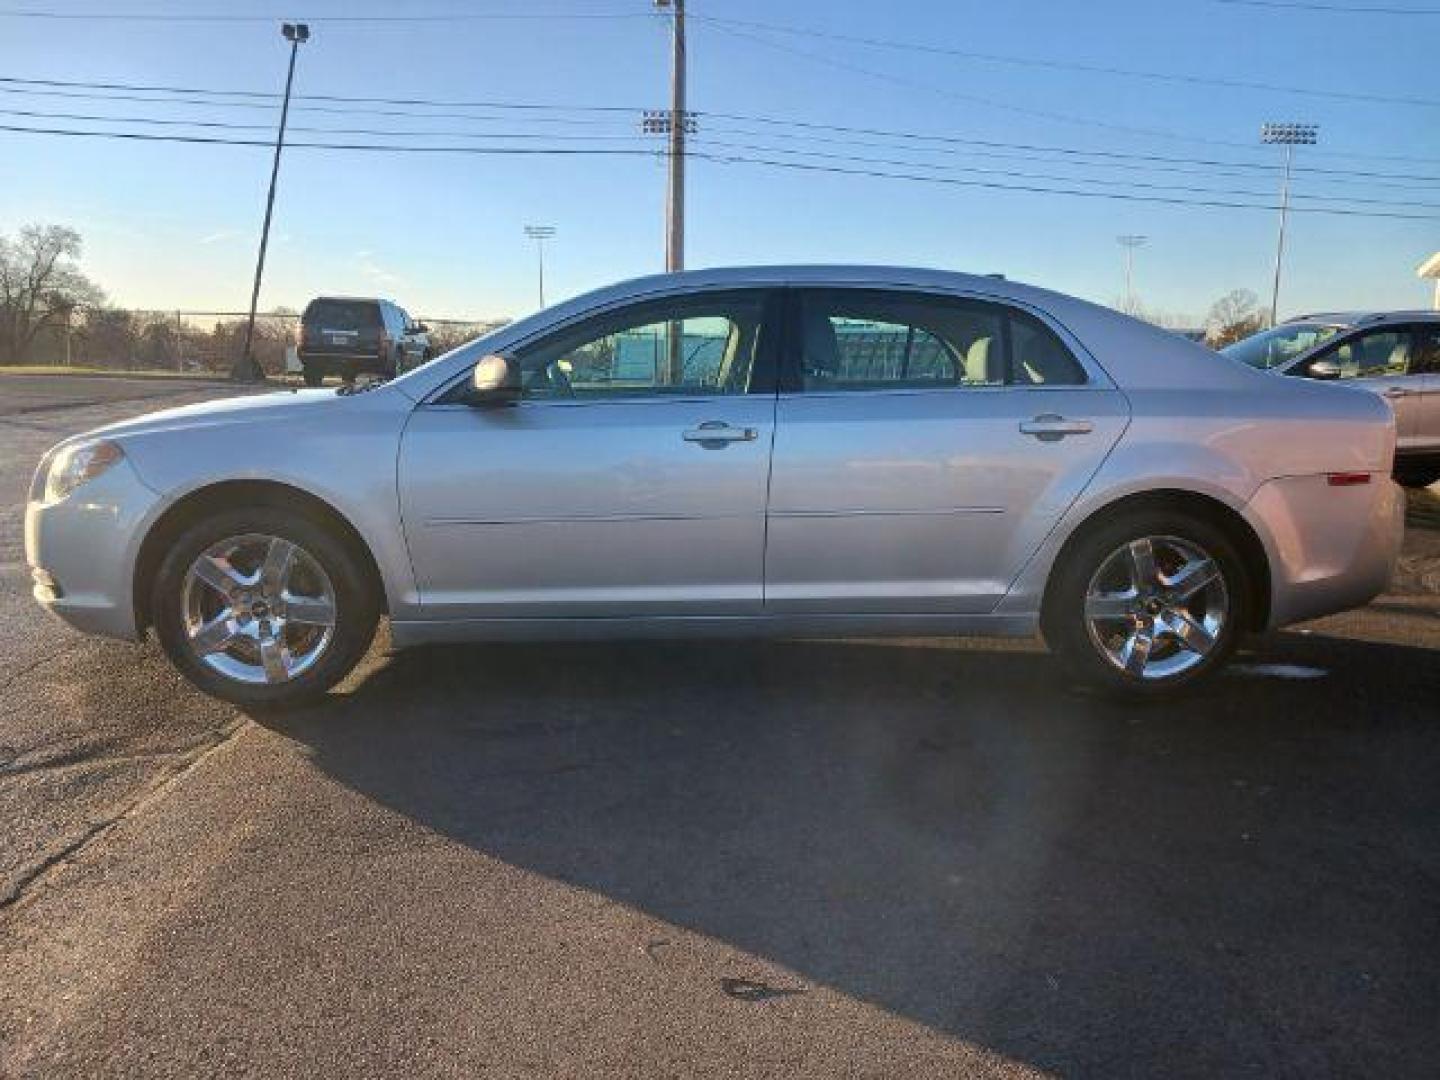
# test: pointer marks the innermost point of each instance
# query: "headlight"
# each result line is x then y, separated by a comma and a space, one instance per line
77, 464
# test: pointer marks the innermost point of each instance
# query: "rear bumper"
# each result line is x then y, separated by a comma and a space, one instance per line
341, 361
1330, 548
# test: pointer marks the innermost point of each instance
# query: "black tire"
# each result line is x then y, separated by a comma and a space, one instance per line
1416, 476
357, 604
313, 376
1064, 622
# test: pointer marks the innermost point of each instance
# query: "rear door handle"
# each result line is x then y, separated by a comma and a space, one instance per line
1049, 427
718, 433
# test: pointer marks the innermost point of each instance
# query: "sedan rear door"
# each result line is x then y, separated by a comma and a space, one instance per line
925, 445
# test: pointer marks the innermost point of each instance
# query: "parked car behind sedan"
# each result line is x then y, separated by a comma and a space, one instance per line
782, 450
1395, 354
351, 335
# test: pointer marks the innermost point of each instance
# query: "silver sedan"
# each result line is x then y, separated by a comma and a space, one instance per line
782, 450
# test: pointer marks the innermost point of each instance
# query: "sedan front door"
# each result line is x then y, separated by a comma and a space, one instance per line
924, 448
1426, 364
1380, 360
629, 479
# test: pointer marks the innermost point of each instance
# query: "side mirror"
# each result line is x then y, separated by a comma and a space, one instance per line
420, 328
495, 381
1324, 369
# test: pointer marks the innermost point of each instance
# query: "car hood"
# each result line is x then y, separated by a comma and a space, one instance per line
279, 407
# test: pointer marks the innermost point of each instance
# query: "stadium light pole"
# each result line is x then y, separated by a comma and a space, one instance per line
246, 368
1130, 241
540, 233
1288, 135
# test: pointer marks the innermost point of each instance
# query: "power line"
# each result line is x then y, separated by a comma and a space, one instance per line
529, 136
1332, 9
269, 96
1066, 65
225, 126
587, 121
1042, 113
1120, 196
974, 99
979, 170
444, 17
625, 114
721, 158
1244, 170
140, 136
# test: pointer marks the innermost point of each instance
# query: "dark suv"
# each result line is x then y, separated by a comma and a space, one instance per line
351, 335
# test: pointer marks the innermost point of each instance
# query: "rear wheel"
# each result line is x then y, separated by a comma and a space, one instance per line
1149, 603
262, 606
313, 376
1416, 476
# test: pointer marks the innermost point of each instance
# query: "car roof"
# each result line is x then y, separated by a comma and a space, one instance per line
350, 300
1367, 318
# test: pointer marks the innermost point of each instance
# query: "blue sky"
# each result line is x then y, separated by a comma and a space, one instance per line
169, 225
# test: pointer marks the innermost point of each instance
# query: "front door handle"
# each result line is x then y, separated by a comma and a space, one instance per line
1049, 427
718, 433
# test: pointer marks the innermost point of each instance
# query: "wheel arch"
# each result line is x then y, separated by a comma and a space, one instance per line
1239, 531
227, 494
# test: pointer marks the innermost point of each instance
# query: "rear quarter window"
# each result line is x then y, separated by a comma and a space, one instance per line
1038, 357
342, 315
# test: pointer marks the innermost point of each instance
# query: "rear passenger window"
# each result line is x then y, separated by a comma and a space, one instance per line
868, 340
1038, 357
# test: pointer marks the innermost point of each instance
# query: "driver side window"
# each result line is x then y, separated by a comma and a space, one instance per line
689, 346
1373, 355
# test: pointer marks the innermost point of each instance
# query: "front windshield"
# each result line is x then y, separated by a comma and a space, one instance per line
1280, 344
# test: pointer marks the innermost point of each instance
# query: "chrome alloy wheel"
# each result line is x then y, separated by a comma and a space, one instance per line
1156, 607
258, 609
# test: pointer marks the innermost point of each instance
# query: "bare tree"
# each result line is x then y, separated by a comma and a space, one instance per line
40, 285
1234, 316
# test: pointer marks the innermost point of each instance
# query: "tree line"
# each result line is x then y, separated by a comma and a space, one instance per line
51, 313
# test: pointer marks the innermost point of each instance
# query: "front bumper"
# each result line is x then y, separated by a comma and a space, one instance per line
1331, 548
82, 551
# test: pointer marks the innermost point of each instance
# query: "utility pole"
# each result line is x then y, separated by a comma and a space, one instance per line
675, 125
1130, 241
675, 196
1289, 136
540, 233
246, 369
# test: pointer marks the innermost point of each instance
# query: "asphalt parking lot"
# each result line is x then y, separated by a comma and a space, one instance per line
871, 858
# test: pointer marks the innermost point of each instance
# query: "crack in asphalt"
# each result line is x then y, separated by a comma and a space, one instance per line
28, 880
15, 676
83, 755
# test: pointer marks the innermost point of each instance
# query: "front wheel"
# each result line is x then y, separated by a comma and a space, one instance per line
313, 376
1148, 603
263, 606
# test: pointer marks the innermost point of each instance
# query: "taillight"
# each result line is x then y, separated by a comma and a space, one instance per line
1347, 479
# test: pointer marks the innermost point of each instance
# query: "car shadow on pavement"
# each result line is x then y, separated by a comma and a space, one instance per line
1240, 880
